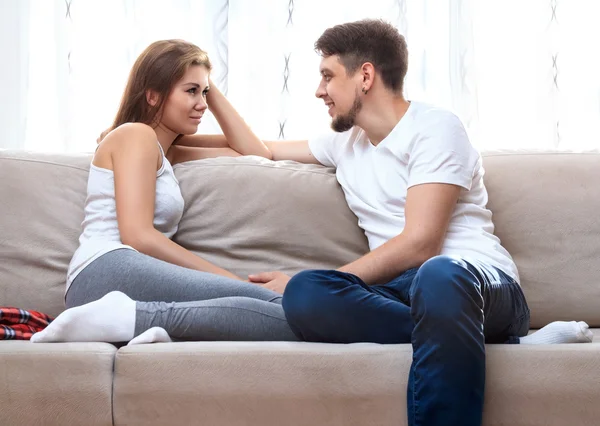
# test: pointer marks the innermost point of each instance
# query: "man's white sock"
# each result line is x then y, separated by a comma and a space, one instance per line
560, 332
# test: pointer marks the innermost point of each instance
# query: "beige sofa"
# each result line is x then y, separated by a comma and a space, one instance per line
248, 215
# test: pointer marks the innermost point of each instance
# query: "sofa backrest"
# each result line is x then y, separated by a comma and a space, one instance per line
250, 214
545, 208
42, 210
247, 215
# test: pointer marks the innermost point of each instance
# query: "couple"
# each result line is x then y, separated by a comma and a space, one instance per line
436, 276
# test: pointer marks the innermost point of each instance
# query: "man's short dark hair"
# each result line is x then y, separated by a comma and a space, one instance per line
368, 40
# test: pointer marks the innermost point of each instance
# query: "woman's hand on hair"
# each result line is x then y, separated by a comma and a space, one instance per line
103, 135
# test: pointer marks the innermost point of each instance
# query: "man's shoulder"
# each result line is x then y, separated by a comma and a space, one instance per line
426, 114
439, 129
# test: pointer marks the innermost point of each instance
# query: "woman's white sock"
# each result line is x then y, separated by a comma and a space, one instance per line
152, 335
109, 319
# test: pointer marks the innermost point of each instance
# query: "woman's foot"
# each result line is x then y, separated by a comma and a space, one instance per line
109, 319
152, 335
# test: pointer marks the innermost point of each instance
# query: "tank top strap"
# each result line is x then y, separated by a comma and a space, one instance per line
161, 148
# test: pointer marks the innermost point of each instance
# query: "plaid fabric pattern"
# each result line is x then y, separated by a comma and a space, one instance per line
18, 324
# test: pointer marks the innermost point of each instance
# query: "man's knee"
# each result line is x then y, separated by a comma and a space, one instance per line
445, 286
309, 294
441, 270
303, 292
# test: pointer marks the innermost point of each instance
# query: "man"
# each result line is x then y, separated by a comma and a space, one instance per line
436, 276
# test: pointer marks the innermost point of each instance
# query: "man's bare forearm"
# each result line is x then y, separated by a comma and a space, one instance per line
390, 260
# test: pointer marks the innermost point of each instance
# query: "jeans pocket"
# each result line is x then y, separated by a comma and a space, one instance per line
508, 315
520, 327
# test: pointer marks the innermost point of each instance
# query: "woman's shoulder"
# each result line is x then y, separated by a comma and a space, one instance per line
134, 130
129, 136
125, 140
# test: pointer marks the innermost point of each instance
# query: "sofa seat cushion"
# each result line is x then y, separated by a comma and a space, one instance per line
56, 383
284, 383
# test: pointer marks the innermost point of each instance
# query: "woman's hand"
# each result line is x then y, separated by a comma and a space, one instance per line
276, 281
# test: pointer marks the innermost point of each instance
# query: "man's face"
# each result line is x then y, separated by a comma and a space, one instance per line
340, 92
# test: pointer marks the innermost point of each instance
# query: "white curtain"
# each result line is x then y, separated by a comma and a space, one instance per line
520, 73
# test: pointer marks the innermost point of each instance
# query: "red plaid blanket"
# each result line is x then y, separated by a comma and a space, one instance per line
18, 324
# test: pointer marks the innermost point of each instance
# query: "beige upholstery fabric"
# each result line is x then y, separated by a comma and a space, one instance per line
549, 385
56, 384
42, 210
546, 214
253, 215
302, 384
267, 384
250, 214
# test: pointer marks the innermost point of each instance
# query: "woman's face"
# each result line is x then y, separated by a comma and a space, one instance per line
185, 106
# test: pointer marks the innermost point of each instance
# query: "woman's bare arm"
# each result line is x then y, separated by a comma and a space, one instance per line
237, 133
134, 156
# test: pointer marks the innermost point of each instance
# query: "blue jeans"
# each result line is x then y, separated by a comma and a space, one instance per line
447, 308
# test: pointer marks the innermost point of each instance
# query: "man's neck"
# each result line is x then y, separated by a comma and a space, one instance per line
380, 118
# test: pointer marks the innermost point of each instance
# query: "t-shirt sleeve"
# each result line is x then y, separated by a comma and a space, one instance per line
442, 153
328, 148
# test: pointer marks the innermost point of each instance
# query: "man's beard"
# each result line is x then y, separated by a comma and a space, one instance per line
341, 123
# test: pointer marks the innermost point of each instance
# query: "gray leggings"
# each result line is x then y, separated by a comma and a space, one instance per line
188, 304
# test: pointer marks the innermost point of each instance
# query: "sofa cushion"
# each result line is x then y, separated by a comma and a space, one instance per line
43, 197
302, 384
545, 208
251, 215
267, 384
56, 383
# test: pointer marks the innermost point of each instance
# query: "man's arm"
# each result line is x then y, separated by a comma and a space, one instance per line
279, 150
428, 211
291, 150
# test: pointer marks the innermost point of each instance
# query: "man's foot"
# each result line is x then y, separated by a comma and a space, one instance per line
109, 319
560, 332
152, 335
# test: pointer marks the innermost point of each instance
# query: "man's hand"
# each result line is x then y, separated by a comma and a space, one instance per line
275, 281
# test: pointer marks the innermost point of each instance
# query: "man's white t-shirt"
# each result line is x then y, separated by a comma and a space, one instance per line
428, 145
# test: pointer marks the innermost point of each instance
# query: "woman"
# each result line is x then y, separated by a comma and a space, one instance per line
126, 257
